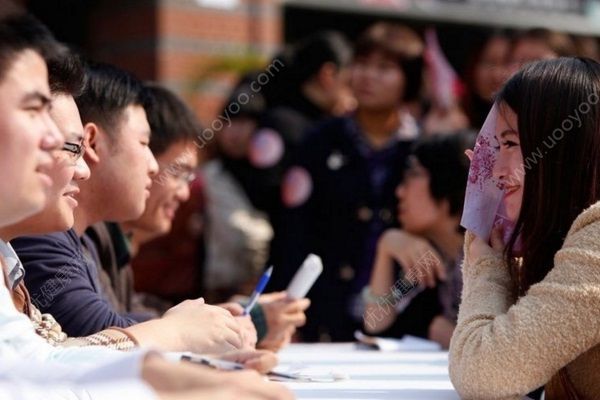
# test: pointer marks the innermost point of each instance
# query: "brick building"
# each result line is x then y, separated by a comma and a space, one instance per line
197, 47
176, 42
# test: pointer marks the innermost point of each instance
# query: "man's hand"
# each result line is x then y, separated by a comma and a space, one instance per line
283, 316
249, 336
262, 361
187, 381
204, 328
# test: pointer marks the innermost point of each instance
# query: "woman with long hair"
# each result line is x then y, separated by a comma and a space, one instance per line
485, 72
530, 311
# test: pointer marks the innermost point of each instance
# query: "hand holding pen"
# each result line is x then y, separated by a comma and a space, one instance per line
262, 284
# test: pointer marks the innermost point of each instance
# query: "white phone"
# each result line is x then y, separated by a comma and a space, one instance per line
305, 277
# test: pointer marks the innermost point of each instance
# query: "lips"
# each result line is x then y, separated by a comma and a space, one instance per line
70, 195
509, 190
170, 210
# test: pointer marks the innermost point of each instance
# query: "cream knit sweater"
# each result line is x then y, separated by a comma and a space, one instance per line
502, 349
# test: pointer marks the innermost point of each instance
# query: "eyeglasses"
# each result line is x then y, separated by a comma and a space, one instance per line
70, 153
186, 177
73, 151
181, 175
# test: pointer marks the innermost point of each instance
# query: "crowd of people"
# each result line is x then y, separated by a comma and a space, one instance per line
122, 239
313, 161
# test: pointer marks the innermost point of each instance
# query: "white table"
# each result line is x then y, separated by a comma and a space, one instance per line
373, 375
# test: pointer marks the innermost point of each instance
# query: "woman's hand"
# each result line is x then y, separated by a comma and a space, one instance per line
478, 248
419, 260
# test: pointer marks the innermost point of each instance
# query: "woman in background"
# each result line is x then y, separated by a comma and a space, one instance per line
484, 75
340, 195
427, 250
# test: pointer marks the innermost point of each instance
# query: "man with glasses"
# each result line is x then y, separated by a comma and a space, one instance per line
28, 136
66, 171
69, 168
31, 151
122, 167
174, 129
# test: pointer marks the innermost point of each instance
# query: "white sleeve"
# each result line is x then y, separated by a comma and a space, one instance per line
27, 360
18, 340
21, 390
128, 366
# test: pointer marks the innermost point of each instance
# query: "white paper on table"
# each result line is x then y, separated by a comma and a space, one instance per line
407, 343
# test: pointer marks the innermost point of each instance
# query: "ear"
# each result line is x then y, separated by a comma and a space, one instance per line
327, 75
91, 132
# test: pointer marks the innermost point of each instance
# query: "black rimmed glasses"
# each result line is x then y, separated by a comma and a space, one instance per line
182, 174
72, 152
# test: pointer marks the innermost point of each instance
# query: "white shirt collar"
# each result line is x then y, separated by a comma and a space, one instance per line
15, 271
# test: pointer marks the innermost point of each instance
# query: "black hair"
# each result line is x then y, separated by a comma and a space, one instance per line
300, 62
312, 52
443, 156
108, 91
401, 44
566, 179
66, 73
20, 32
244, 100
171, 120
476, 107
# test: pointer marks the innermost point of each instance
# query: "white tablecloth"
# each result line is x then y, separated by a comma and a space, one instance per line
372, 375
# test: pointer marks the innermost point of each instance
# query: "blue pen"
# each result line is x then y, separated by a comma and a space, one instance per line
262, 283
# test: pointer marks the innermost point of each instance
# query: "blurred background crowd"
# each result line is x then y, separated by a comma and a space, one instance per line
327, 126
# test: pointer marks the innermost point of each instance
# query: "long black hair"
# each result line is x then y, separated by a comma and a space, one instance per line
557, 105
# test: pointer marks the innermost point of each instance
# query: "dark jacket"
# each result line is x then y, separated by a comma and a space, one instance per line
62, 277
351, 203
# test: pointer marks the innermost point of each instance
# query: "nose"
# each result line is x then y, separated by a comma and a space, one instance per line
52, 139
501, 76
500, 169
400, 190
183, 193
152, 165
82, 171
363, 72
498, 77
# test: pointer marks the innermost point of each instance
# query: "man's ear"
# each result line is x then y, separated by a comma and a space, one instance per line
91, 133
